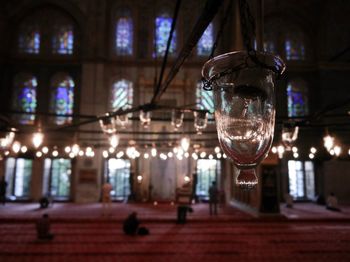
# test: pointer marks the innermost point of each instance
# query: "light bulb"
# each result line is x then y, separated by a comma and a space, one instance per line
105, 153
210, 156
294, 149
337, 150
45, 150
6, 141
55, 153
311, 155
145, 118
107, 124
67, 149
187, 179
24, 149
185, 143
217, 150
295, 155
200, 120
328, 142
203, 154
120, 154
274, 150
145, 155
177, 118
39, 154
154, 152
38, 139
313, 150
139, 178
75, 149
194, 156
218, 155
170, 154
16, 146
114, 140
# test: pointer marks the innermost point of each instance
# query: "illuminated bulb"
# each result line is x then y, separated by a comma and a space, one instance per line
328, 142
111, 150
211, 156
163, 156
120, 154
194, 156
280, 151
7, 153
81, 153
313, 150
154, 152
218, 155
38, 154
224, 156
295, 155
187, 179
186, 155
274, 150
185, 143
294, 149
175, 149
24, 149
38, 139
180, 151
349, 152
75, 149
67, 149
155, 203
170, 154
105, 153
331, 152
337, 150
92, 154
16, 146
203, 154
45, 150
217, 150
311, 156
71, 155
114, 140
145, 155
139, 178
179, 157
55, 153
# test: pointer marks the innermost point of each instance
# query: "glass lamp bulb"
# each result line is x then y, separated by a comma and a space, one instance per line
145, 118
123, 120
107, 124
177, 118
328, 142
38, 139
200, 120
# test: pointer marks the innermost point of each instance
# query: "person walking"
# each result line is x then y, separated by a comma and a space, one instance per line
213, 199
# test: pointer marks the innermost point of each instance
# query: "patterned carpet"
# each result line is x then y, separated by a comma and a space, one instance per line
82, 234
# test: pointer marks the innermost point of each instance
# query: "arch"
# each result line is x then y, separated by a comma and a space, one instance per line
62, 97
25, 97
297, 98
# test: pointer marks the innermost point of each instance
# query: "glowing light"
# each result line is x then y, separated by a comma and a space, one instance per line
67, 149
210, 156
311, 156
75, 149
7, 153
328, 142
203, 154
163, 156
139, 178
337, 150
24, 149
55, 153
145, 155
154, 152
39, 154
45, 150
295, 155
186, 155
294, 149
81, 153
170, 154
187, 179
274, 150
313, 150
185, 143
71, 155
224, 156
331, 152
114, 140
194, 156
217, 150
175, 149
120, 154
218, 155
105, 153
16, 146
38, 139
111, 150
155, 203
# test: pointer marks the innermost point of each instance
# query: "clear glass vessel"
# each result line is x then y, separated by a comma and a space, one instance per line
244, 100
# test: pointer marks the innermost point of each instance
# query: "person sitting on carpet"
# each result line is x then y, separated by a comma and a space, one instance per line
131, 226
289, 200
332, 203
43, 228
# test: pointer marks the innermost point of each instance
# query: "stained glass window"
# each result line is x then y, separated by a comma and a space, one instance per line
163, 27
122, 94
294, 47
124, 36
63, 40
206, 42
205, 99
297, 99
29, 40
24, 98
269, 46
62, 99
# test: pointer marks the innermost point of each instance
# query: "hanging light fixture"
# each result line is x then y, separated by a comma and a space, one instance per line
145, 118
16, 147
200, 120
289, 135
328, 142
7, 140
114, 140
75, 150
38, 139
177, 117
185, 143
123, 120
107, 124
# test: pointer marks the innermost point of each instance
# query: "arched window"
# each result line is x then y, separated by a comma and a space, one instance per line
206, 42
124, 34
205, 99
29, 39
163, 27
297, 99
62, 98
122, 95
24, 99
294, 46
63, 39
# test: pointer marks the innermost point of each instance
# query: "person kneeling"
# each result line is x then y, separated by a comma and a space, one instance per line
131, 226
43, 228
